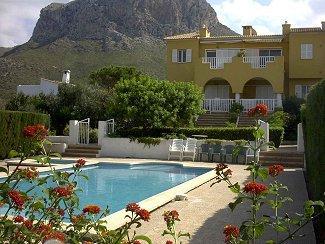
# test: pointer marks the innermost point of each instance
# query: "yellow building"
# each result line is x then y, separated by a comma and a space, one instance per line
248, 68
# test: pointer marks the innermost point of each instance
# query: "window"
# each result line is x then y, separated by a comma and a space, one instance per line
182, 56
302, 90
306, 51
270, 52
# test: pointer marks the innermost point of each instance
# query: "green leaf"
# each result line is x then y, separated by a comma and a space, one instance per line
263, 173
13, 154
58, 155
235, 188
143, 238
270, 242
233, 205
3, 169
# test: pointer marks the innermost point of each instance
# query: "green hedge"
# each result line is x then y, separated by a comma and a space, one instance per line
222, 133
11, 126
313, 116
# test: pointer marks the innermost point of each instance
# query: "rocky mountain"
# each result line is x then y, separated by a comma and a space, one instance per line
84, 35
3, 50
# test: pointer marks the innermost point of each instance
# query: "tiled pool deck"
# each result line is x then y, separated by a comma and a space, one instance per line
205, 213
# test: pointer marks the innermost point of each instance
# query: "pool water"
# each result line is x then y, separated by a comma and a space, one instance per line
116, 185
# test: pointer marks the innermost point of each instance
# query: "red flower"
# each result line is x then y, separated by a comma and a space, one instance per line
17, 198
258, 110
55, 235
80, 162
63, 191
221, 167
136, 242
19, 219
169, 242
132, 207
230, 231
44, 229
58, 211
171, 216
29, 173
38, 132
275, 170
144, 214
228, 172
91, 209
28, 224
254, 188
77, 218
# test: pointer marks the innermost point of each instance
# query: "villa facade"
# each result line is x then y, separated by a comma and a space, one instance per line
248, 68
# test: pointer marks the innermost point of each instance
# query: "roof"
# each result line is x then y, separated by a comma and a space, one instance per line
191, 35
308, 29
238, 38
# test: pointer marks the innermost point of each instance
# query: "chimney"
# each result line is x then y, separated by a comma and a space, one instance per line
66, 76
248, 30
204, 32
286, 28
323, 25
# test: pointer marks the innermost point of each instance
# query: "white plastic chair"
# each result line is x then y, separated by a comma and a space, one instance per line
189, 150
176, 149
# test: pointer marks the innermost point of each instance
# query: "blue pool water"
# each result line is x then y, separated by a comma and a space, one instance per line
115, 185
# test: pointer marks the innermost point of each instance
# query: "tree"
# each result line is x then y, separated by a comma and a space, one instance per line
108, 76
150, 103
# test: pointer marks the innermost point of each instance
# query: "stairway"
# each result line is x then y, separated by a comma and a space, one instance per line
286, 155
82, 151
220, 119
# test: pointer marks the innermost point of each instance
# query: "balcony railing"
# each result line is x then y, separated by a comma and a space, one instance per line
257, 62
216, 63
224, 105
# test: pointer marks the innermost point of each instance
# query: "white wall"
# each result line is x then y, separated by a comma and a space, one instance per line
49, 87
29, 90
123, 148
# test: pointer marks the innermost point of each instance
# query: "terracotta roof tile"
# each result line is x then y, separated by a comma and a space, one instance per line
183, 36
309, 29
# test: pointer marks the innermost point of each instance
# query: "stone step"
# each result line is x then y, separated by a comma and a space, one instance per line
80, 155
88, 146
281, 159
286, 165
281, 154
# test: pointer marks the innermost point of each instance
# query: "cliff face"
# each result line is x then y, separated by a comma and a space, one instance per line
104, 19
84, 35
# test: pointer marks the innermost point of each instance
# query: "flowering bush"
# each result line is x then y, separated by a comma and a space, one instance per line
55, 214
258, 194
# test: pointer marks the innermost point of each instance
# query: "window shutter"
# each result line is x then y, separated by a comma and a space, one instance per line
174, 56
298, 89
309, 51
188, 55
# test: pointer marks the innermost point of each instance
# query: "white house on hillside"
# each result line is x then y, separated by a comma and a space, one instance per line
46, 87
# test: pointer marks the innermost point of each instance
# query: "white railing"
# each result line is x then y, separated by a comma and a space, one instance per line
258, 62
216, 63
83, 135
110, 129
224, 105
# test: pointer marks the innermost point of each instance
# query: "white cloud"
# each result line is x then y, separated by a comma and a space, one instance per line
267, 18
18, 18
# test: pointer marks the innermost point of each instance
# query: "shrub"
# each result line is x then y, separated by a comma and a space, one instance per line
11, 124
291, 106
314, 130
235, 110
278, 119
108, 76
151, 103
221, 133
93, 135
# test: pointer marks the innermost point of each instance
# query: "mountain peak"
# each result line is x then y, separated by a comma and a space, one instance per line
99, 19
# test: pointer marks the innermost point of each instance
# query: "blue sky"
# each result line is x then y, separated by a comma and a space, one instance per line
18, 17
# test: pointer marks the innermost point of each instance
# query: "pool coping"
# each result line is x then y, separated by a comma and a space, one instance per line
117, 219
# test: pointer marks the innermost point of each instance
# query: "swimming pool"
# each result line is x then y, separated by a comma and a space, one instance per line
115, 185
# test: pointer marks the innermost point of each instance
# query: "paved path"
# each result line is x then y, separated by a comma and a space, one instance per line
206, 213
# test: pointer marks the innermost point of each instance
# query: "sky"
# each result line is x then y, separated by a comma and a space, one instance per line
18, 17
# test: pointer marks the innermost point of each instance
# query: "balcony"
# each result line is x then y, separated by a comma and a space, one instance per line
256, 62
224, 105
